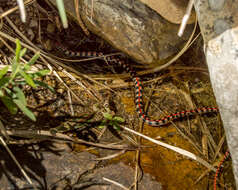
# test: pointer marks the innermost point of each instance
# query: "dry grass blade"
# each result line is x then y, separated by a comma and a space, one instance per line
70, 103
185, 18
66, 86
22, 10
115, 183
175, 149
3, 131
222, 140
111, 156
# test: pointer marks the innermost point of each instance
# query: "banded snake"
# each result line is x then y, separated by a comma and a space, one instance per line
138, 88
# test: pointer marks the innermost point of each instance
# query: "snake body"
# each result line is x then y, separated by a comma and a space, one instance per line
138, 89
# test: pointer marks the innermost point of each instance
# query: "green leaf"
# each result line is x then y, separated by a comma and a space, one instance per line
22, 52
42, 72
39, 83
27, 78
32, 61
18, 49
116, 126
101, 126
3, 71
118, 119
25, 110
1, 93
107, 116
4, 81
11, 106
20, 95
34, 58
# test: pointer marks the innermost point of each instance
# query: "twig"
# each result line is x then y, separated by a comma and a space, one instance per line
47, 135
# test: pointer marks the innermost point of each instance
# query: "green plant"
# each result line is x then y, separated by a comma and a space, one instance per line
11, 85
111, 120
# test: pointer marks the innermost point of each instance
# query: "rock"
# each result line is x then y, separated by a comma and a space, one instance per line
171, 10
121, 174
135, 29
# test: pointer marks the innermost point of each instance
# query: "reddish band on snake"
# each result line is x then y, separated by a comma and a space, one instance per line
226, 155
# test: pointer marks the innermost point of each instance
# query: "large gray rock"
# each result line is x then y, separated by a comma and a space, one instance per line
135, 29
52, 167
218, 21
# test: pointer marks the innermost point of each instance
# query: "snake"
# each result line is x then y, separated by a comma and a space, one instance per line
138, 88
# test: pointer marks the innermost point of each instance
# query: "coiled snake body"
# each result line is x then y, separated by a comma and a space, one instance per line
138, 89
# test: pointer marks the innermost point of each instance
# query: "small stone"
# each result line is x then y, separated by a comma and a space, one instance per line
47, 45
60, 91
30, 34
33, 23
50, 28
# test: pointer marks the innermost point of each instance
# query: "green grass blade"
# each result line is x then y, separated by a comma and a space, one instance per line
22, 52
61, 9
18, 49
25, 110
31, 62
34, 58
4, 81
3, 71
